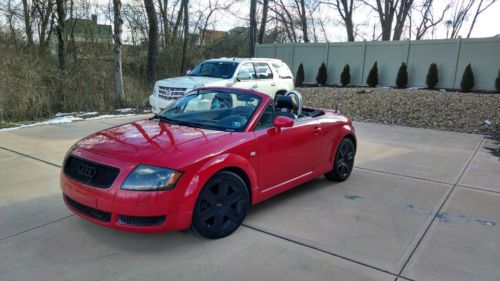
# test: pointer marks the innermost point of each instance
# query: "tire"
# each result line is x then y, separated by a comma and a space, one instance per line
221, 206
343, 162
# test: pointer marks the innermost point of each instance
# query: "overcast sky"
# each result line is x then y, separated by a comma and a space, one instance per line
488, 24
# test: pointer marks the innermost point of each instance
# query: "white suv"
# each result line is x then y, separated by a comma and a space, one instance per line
268, 76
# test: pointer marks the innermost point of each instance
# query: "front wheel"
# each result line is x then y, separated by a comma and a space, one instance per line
221, 206
343, 162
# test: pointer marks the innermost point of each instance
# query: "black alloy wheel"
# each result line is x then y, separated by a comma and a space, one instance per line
221, 205
344, 161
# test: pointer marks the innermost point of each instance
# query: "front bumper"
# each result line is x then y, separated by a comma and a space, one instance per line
136, 211
158, 104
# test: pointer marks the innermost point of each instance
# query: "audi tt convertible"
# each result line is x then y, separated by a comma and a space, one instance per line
204, 160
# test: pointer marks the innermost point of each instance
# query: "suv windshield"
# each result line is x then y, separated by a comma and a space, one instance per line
217, 69
223, 110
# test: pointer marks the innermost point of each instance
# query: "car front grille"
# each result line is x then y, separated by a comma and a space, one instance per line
141, 221
90, 173
88, 211
170, 93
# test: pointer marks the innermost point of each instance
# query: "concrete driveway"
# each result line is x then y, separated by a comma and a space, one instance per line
420, 205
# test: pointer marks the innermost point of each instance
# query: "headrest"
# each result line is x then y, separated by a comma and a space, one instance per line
286, 102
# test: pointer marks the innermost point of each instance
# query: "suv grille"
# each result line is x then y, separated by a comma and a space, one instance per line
169, 93
90, 173
88, 211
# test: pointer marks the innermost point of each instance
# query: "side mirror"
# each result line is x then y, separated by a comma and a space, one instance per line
282, 122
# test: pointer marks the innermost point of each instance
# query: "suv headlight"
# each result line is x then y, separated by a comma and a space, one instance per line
151, 178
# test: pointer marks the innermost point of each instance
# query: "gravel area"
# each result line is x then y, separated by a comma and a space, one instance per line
474, 113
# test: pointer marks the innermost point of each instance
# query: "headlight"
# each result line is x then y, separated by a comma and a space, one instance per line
151, 178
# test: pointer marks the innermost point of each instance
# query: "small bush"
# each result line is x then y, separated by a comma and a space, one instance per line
497, 82
467, 79
402, 78
432, 77
299, 78
322, 75
372, 80
345, 76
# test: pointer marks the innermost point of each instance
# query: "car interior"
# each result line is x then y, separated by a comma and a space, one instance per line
222, 110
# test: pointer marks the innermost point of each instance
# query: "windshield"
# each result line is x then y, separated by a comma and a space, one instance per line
224, 110
217, 69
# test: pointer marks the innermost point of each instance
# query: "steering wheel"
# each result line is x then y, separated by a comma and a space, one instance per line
298, 98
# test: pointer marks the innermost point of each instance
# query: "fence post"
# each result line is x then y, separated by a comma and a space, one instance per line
456, 64
408, 52
275, 51
363, 67
327, 54
293, 58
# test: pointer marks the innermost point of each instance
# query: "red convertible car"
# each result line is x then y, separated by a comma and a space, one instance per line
204, 160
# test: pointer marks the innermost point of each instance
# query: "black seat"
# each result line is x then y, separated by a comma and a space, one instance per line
286, 106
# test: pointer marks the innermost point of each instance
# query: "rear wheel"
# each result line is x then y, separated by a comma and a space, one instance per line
221, 205
343, 162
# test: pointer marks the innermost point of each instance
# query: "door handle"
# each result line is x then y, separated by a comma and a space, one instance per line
317, 130
273, 84
255, 86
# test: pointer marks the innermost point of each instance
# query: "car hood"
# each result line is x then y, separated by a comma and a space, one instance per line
190, 82
158, 143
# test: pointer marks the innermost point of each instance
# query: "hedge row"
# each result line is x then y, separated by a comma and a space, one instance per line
432, 78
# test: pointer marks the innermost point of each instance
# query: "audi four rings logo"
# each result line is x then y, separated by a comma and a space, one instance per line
86, 171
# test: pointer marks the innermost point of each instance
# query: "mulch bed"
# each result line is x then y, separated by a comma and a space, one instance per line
475, 113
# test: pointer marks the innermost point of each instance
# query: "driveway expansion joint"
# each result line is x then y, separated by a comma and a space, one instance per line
443, 203
318, 249
35, 227
29, 156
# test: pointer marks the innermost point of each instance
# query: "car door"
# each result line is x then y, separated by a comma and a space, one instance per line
286, 154
265, 79
246, 78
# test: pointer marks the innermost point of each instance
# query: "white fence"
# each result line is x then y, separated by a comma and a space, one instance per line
451, 56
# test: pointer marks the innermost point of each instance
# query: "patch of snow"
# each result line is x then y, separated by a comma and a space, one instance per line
82, 114
61, 118
124, 110
56, 120
415, 88
60, 114
108, 116
488, 122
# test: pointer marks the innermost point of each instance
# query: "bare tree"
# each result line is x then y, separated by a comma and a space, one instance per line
46, 17
480, 9
427, 19
460, 15
284, 15
387, 11
61, 37
152, 39
345, 9
253, 27
27, 23
263, 21
177, 22
165, 22
186, 35
300, 5
117, 50
401, 16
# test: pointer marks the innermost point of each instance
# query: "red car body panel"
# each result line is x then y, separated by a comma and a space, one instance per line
270, 160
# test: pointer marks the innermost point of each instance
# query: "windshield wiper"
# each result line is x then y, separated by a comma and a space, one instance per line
189, 124
164, 118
